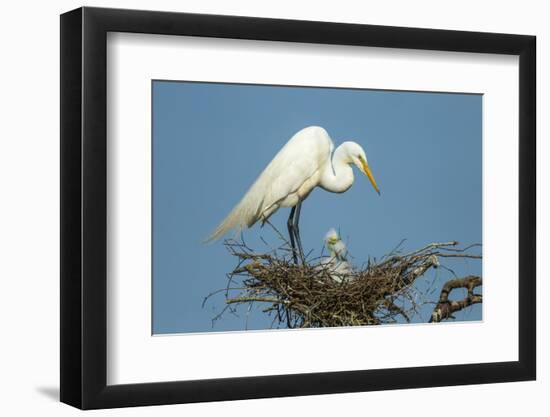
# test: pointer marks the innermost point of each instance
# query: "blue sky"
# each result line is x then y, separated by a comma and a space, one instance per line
211, 140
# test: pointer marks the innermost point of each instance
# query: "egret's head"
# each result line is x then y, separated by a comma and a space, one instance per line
357, 156
332, 237
334, 244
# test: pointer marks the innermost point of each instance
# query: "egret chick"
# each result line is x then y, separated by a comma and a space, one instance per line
336, 247
336, 263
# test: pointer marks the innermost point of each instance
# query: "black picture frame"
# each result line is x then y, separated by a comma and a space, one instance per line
84, 207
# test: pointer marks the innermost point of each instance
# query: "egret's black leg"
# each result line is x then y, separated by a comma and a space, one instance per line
290, 225
296, 227
288, 322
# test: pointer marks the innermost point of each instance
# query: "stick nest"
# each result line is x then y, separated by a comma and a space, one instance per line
313, 294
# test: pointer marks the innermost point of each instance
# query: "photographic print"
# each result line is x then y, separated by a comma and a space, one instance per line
239, 182
292, 207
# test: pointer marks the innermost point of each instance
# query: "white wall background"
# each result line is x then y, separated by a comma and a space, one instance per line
29, 209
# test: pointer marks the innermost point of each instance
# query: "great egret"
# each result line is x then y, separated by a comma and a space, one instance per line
336, 247
301, 165
336, 264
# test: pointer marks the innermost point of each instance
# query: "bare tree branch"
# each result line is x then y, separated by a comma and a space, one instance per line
445, 307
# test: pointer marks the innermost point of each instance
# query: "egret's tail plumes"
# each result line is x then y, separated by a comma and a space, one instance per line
231, 222
243, 215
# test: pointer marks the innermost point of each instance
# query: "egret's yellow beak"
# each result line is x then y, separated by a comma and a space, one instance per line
368, 173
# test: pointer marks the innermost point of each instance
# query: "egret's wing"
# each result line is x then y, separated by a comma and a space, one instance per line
295, 163
288, 172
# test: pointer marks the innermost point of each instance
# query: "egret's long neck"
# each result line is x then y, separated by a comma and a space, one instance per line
338, 175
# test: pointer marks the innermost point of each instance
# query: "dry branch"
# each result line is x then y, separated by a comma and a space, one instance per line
445, 307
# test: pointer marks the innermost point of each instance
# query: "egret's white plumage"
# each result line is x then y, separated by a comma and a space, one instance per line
336, 264
336, 247
301, 165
